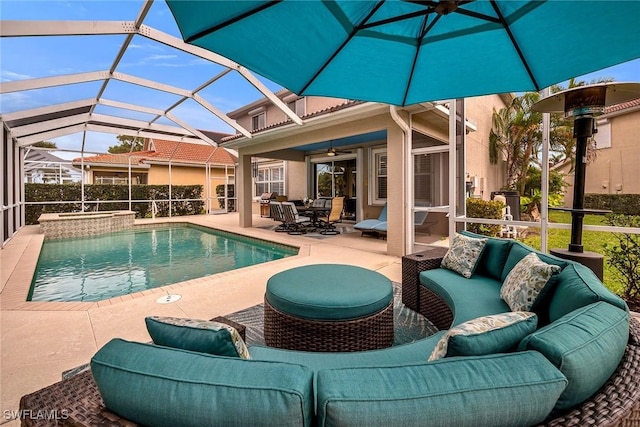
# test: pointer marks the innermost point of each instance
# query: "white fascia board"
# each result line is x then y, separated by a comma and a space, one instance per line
150, 84
16, 115
47, 125
132, 107
63, 28
200, 100
45, 136
470, 124
138, 124
109, 165
39, 83
322, 121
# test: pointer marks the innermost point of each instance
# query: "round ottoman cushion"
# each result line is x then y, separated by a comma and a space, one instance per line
329, 292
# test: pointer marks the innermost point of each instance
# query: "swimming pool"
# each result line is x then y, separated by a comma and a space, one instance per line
102, 267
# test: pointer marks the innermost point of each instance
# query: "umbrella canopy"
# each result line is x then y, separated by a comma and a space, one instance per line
405, 52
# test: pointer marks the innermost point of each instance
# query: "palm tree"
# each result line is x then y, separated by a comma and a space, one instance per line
516, 135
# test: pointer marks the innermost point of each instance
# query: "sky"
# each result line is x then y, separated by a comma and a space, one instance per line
33, 57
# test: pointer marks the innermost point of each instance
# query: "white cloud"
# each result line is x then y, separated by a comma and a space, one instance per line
7, 76
158, 57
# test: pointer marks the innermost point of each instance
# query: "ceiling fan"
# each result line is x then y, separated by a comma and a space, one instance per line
333, 152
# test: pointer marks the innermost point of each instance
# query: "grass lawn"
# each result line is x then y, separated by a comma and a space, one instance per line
591, 240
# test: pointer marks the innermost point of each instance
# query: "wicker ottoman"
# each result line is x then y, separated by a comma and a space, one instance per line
328, 307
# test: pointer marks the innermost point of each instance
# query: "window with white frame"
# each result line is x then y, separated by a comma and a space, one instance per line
297, 106
603, 136
258, 121
378, 178
270, 179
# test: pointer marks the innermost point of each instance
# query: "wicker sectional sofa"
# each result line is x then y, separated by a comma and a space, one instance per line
580, 367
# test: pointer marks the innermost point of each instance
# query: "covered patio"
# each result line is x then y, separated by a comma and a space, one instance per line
41, 340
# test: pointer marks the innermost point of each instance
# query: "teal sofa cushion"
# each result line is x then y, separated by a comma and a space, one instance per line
162, 386
467, 298
497, 333
586, 345
404, 354
577, 287
516, 389
519, 251
493, 256
307, 292
203, 336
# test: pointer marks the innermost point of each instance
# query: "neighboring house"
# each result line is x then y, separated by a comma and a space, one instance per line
370, 153
166, 162
42, 167
614, 169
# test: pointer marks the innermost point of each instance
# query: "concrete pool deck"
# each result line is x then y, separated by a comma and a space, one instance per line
40, 340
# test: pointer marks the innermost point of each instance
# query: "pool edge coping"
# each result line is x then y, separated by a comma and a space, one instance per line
13, 296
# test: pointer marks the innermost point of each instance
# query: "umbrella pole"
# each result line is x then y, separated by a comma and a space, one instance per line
583, 129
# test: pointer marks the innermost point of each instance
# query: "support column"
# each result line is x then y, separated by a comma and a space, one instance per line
243, 189
396, 203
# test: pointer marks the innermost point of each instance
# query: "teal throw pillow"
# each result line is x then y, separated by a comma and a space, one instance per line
203, 336
527, 282
497, 333
463, 255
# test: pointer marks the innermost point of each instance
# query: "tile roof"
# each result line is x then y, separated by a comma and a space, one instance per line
163, 151
347, 104
622, 106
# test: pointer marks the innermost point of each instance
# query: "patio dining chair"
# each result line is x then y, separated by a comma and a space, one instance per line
275, 209
335, 215
295, 223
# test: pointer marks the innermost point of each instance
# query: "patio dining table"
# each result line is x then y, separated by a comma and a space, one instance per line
314, 212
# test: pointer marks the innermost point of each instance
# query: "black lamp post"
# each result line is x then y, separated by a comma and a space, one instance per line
584, 103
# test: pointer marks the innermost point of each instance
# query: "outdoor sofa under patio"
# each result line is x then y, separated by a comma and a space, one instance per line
578, 366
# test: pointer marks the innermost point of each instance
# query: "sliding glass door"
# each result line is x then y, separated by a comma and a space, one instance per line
337, 178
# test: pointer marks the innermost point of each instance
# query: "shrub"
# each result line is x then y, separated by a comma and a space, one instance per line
625, 204
625, 257
103, 196
478, 208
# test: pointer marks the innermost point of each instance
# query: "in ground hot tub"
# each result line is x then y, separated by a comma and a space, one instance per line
82, 224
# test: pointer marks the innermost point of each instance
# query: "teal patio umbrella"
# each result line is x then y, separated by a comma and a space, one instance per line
406, 52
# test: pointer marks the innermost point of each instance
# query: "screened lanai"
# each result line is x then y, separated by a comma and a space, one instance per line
125, 71
80, 78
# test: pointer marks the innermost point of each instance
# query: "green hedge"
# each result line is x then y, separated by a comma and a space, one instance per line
478, 208
622, 204
103, 193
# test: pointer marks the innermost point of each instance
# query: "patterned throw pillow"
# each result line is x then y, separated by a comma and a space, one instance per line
463, 255
497, 333
529, 279
203, 336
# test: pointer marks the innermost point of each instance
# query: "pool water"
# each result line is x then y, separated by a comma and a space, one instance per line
105, 266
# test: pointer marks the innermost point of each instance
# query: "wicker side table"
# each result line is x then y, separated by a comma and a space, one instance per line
412, 265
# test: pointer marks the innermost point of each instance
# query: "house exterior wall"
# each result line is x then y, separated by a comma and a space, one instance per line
489, 177
615, 169
273, 114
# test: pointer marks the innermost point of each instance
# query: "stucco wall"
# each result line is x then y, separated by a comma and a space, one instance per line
275, 115
489, 177
616, 170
